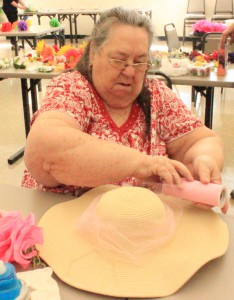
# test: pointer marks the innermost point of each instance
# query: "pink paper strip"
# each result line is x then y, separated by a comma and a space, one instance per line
196, 191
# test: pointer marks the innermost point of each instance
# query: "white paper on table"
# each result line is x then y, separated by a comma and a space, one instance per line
41, 284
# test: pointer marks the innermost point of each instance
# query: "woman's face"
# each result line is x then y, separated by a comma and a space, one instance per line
120, 87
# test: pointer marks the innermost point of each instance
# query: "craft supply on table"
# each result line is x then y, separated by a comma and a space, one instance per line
222, 62
11, 287
198, 192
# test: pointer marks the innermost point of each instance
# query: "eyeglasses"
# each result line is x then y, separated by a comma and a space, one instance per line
122, 64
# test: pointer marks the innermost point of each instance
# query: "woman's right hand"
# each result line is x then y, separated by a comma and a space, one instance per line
162, 169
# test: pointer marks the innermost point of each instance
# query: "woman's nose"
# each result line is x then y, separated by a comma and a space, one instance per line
129, 70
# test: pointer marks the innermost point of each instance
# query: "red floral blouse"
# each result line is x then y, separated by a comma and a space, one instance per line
72, 94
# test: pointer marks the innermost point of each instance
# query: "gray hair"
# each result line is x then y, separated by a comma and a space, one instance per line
108, 18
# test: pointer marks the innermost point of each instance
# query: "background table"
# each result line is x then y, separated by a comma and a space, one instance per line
209, 82
34, 33
72, 16
214, 281
61, 14
29, 81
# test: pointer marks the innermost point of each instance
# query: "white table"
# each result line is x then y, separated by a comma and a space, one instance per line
34, 33
214, 281
72, 16
62, 14
29, 81
209, 82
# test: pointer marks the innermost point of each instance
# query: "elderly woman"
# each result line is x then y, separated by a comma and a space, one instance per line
106, 122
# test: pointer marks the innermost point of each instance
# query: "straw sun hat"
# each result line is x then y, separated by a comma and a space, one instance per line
126, 242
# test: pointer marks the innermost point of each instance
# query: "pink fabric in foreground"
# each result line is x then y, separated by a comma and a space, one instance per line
196, 191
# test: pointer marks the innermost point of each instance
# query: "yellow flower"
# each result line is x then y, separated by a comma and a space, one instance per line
29, 22
64, 49
39, 47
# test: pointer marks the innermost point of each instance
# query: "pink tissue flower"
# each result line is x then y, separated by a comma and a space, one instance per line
207, 26
18, 238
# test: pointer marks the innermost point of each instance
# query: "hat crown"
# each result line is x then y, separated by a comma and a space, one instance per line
129, 221
131, 210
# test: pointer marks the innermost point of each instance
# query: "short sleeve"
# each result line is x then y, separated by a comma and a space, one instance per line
170, 117
69, 93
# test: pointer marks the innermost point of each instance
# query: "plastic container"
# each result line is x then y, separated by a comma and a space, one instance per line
202, 71
11, 288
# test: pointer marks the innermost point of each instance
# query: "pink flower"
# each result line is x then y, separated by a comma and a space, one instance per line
18, 238
207, 26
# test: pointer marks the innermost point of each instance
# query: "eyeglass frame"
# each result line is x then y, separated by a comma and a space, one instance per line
125, 64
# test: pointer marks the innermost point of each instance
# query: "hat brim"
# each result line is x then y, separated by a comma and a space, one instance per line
200, 236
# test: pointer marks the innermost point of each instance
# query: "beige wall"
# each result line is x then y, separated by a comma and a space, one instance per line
164, 11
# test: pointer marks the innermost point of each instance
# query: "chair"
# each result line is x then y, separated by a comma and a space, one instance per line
172, 38
223, 10
195, 12
162, 76
210, 42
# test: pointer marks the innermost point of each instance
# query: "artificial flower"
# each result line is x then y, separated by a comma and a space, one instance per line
31, 8
6, 26
47, 53
19, 63
207, 26
60, 59
29, 22
73, 56
5, 63
39, 47
15, 25
56, 48
54, 22
18, 238
63, 49
22, 25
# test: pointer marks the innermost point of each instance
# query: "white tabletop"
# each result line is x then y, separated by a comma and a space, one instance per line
214, 281
34, 31
24, 73
71, 11
211, 81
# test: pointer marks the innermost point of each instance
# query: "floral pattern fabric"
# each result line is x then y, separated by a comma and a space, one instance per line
72, 94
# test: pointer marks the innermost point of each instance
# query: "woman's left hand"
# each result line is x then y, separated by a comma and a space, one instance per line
205, 169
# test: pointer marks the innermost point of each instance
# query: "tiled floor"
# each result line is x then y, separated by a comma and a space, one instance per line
12, 135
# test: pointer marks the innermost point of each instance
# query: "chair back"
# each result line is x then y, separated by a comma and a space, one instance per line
196, 6
210, 41
223, 6
173, 42
164, 77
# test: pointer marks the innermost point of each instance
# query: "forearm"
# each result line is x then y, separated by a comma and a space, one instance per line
75, 158
19, 5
